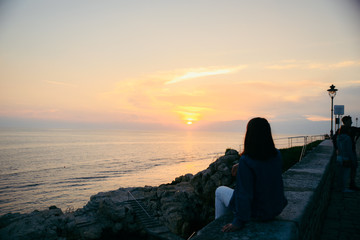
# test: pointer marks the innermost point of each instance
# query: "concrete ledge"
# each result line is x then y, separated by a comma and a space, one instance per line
307, 188
253, 230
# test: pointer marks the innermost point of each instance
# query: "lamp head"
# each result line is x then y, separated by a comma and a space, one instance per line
332, 91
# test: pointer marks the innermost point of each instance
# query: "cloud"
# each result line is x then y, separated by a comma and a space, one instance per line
285, 66
155, 97
194, 108
345, 64
315, 118
312, 65
203, 72
60, 83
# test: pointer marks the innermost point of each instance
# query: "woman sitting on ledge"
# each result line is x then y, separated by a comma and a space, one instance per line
259, 192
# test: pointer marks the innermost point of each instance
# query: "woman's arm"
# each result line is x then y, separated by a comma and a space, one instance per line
243, 195
234, 169
231, 228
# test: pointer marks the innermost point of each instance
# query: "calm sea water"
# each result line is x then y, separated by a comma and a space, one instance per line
40, 168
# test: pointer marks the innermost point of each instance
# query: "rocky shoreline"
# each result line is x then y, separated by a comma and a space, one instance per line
180, 208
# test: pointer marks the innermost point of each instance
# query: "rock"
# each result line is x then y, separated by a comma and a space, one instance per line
112, 211
92, 233
184, 178
36, 225
230, 151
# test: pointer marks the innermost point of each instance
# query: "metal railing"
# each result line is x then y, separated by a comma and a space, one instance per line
288, 142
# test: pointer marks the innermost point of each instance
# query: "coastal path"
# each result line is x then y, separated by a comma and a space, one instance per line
342, 219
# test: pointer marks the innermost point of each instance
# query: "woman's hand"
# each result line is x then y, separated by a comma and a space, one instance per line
234, 169
230, 228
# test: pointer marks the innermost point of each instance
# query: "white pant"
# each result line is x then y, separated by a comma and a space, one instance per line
223, 195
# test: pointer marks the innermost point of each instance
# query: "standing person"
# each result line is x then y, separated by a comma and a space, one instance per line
354, 133
259, 192
344, 157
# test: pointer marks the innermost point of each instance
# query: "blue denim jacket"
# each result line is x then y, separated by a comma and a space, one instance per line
259, 191
345, 150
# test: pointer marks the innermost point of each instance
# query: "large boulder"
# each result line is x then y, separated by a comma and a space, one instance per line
187, 204
47, 224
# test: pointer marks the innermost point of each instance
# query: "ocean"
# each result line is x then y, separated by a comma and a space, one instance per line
64, 167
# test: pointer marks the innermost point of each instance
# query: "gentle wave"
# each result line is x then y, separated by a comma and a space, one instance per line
65, 167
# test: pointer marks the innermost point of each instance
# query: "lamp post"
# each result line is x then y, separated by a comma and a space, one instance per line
332, 93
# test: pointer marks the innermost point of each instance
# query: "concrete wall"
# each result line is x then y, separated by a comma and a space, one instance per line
307, 188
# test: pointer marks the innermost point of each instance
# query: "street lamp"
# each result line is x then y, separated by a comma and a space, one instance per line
332, 93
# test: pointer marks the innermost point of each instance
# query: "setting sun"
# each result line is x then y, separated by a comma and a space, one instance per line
157, 76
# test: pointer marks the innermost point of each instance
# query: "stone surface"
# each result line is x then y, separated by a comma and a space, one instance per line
342, 219
253, 230
306, 188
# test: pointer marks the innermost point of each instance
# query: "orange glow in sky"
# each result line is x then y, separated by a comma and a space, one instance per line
66, 61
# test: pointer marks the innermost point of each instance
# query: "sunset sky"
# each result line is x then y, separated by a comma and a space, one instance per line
178, 64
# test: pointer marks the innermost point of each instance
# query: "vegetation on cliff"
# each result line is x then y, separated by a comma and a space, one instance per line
292, 155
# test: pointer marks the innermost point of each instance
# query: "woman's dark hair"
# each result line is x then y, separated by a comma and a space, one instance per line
346, 118
259, 143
